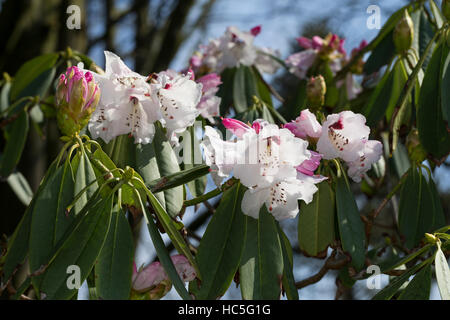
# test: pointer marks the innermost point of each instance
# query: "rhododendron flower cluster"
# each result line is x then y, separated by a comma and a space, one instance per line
233, 49
275, 166
343, 135
131, 103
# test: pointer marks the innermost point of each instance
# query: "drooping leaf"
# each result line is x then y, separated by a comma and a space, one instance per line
222, 244
16, 134
415, 217
288, 266
316, 222
192, 156
34, 76
21, 188
419, 287
244, 88
381, 54
433, 132
81, 248
114, 268
351, 228
391, 289
226, 90
261, 268
85, 176
442, 274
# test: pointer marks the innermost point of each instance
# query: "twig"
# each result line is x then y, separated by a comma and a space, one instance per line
330, 264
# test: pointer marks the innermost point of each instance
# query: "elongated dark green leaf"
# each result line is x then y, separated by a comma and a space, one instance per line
222, 244
261, 269
85, 175
192, 157
433, 132
388, 292
438, 211
423, 33
416, 214
288, 266
244, 88
114, 268
295, 103
34, 76
442, 274
16, 134
381, 55
21, 188
226, 90
49, 218
165, 259
158, 160
419, 287
178, 179
81, 248
445, 92
351, 228
316, 222
170, 227
401, 160
18, 243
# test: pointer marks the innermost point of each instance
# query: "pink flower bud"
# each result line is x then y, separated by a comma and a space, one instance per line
77, 95
209, 81
237, 127
305, 42
255, 30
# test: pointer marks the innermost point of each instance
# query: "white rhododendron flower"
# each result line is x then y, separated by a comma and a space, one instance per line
178, 96
131, 103
305, 126
234, 48
342, 136
268, 161
128, 104
346, 136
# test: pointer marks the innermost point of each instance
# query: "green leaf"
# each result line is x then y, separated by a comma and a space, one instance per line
49, 218
415, 217
114, 268
81, 248
288, 266
401, 160
16, 134
178, 178
85, 175
351, 228
244, 88
437, 14
18, 243
445, 93
381, 54
226, 90
316, 222
388, 292
295, 103
222, 244
261, 268
155, 160
419, 287
423, 33
21, 188
438, 211
442, 274
164, 257
432, 129
192, 157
